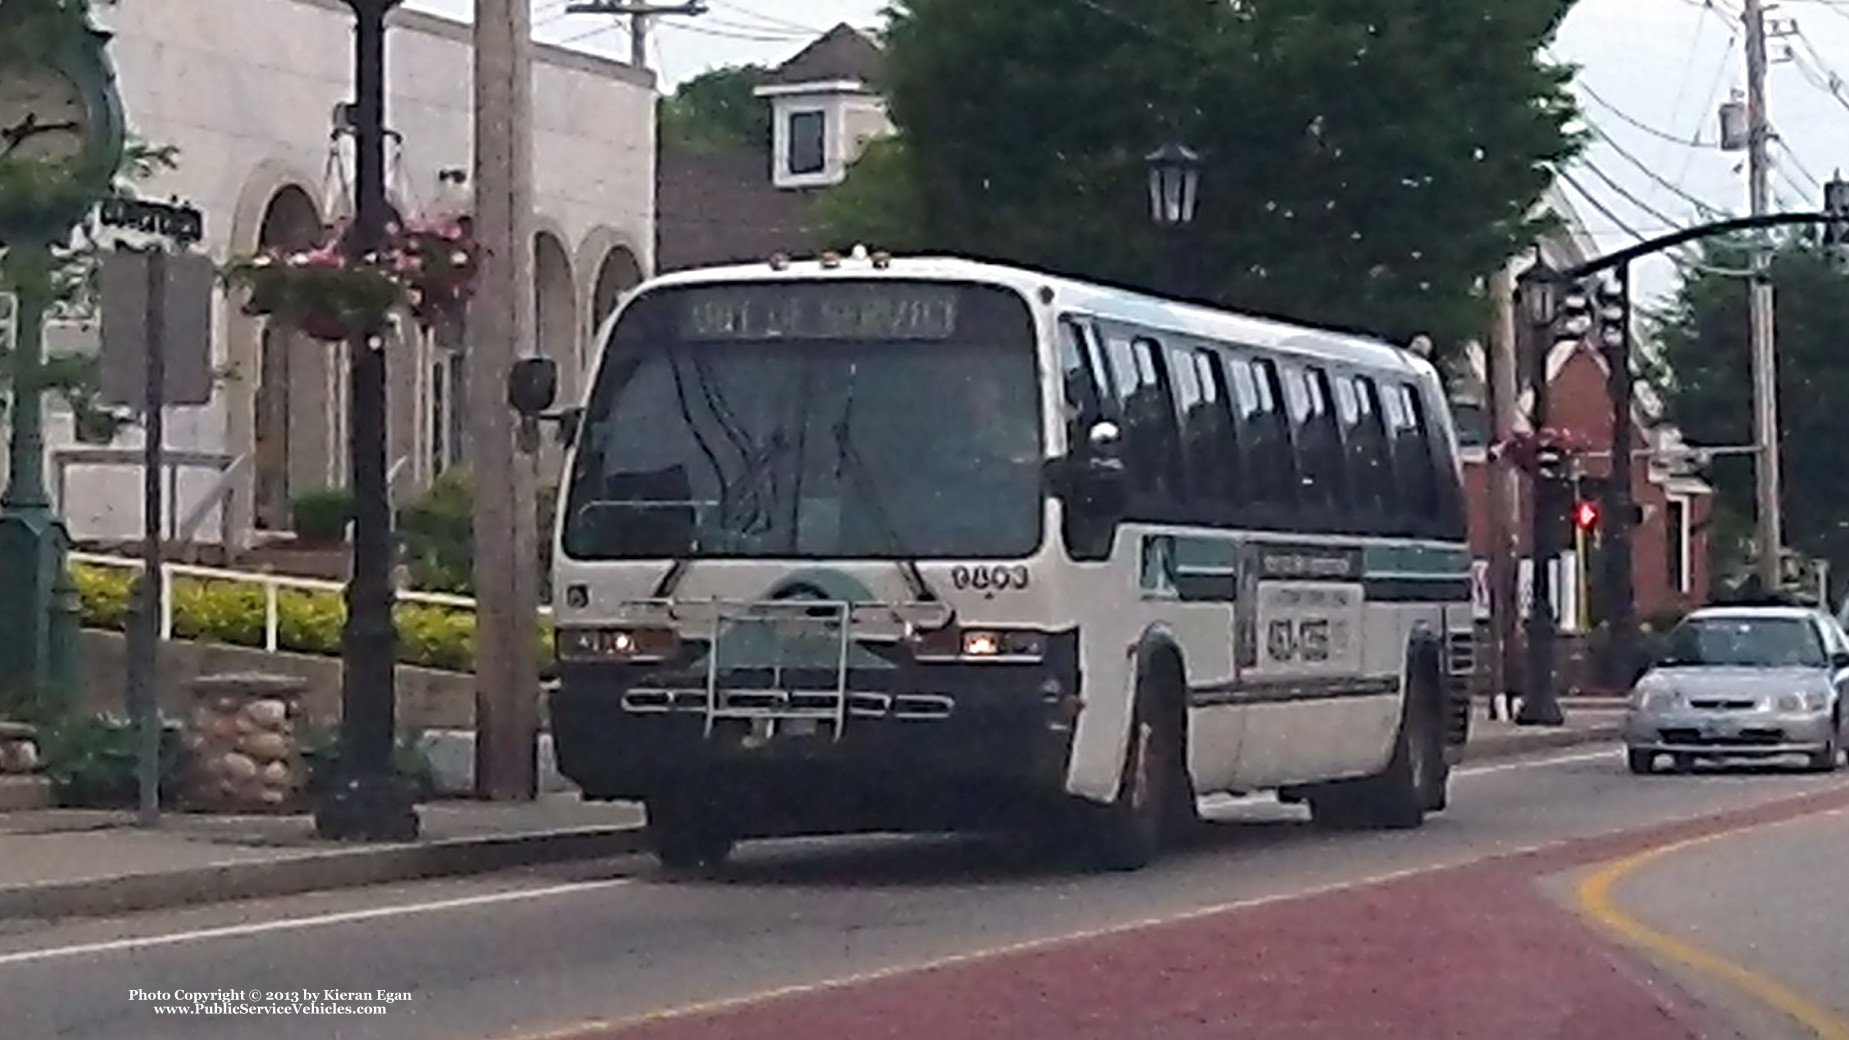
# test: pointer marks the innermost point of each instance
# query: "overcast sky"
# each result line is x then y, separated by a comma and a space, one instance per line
1653, 73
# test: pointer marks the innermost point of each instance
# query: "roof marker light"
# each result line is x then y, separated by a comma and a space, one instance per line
779, 262
882, 260
831, 260
859, 253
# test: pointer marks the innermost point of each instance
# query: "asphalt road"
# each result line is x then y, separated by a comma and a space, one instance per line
1756, 922
512, 954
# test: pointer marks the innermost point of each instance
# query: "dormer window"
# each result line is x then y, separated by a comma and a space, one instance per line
807, 143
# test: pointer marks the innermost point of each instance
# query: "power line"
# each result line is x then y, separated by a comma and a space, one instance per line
1700, 205
1664, 135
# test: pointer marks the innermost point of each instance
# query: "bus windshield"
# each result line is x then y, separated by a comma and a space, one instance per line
824, 419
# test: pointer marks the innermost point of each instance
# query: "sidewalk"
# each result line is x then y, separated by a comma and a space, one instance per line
70, 863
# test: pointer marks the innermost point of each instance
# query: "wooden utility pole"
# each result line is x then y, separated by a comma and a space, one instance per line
1759, 302
501, 326
1504, 485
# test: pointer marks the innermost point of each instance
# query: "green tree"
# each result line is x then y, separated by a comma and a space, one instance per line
717, 111
1703, 336
1368, 163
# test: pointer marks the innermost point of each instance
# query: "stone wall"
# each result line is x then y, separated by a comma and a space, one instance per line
427, 699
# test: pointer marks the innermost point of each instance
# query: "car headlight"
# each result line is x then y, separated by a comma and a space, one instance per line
1788, 702
1816, 700
1656, 698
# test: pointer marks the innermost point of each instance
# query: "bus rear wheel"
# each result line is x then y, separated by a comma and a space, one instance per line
688, 833
1398, 797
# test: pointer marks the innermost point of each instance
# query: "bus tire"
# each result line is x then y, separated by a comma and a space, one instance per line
688, 834
1398, 797
1128, 833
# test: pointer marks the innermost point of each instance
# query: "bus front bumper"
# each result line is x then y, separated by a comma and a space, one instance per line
952, 744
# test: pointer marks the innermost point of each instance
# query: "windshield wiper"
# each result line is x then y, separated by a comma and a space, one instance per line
756, 467
848, 456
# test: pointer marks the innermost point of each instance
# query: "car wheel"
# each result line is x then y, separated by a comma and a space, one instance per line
1830, 759
1643, 763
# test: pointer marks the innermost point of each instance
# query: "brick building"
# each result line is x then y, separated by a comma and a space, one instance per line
1670, 570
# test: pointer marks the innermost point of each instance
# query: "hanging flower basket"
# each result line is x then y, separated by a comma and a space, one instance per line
321, 292
439, 262
428, 267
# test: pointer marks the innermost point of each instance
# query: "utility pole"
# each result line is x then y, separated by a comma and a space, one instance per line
638, 41
502, 328
1759, 305
641, 15
1504, 483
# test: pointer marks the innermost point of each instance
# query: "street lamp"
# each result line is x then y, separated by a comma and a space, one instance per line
367, 801
1174, 191
1540, 291
1174, 184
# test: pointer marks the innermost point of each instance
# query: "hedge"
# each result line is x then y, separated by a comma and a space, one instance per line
213, 610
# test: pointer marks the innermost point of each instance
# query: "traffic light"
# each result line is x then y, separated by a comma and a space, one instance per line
1836, 204
1613, 317
1575, 317
1586, 514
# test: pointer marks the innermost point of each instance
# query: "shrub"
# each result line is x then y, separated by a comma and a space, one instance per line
220, 611
322, 516
437, 535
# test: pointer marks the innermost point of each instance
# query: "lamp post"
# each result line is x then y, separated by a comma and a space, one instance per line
367, 801
1538, 294
1174, 191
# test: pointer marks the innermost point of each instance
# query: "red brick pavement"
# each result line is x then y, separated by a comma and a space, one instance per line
1472, 953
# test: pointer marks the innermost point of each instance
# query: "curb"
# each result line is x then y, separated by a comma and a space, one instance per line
314, 872
1511, 745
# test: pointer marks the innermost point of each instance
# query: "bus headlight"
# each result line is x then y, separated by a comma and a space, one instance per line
981, 644
616, 644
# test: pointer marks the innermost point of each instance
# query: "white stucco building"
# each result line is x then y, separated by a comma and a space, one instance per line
247, 90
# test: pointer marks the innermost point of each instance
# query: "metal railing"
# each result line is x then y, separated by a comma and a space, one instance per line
271, 584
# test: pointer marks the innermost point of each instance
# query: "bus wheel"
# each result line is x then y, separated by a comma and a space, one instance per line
1397, 798
687, 833
1129, 831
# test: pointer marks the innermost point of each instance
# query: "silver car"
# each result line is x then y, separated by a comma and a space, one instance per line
1743, 682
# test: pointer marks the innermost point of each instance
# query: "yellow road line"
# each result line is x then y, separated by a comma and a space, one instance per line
1596, 901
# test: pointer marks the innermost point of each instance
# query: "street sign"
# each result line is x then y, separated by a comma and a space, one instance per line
187, 331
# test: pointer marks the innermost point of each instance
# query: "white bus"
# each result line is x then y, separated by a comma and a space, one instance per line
925, 544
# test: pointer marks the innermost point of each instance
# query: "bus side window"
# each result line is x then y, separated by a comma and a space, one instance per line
1221, 471
1152, 433
1319, 445
1446, 491
1086, 391
1263, 430
1412, 460
1369, 465
1196, 455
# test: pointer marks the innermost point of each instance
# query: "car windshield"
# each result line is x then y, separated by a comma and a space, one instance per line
836, 419
1770, 642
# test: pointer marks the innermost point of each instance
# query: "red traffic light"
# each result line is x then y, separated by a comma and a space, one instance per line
1586, 515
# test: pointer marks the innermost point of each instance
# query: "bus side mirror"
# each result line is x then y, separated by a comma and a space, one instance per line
569, 421
1091, 478
532, 385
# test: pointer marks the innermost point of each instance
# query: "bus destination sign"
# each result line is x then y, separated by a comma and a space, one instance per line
819, 311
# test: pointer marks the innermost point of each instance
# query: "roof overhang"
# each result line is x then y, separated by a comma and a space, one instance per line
833, 86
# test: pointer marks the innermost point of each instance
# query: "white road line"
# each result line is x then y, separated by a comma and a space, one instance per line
490, 899
1535, 763
296, 923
